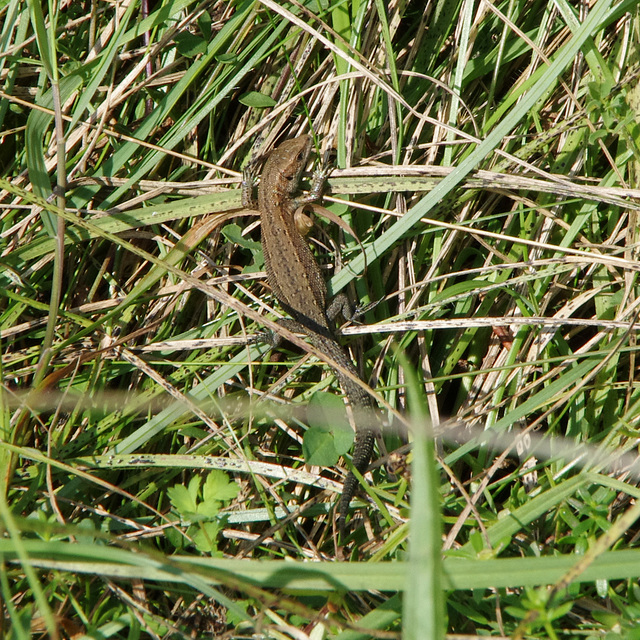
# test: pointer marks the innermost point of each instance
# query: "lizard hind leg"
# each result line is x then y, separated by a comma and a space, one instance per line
340, 305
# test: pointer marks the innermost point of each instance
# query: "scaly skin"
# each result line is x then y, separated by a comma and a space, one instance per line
297, 283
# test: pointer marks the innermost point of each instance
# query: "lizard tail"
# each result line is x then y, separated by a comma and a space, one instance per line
362, 451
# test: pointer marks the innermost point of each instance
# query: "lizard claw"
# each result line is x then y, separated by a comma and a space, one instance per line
269, 337
360, 310
249, 179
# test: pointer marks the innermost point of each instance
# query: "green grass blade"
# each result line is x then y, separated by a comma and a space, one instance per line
563, 58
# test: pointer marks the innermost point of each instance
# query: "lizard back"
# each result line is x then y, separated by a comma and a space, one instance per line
297, 283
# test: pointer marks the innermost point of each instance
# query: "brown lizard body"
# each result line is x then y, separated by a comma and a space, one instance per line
297, 283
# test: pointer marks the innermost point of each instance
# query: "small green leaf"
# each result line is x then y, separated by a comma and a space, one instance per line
181, 499
206, 537
258, 264
327, 411
233, 233
208, 510
194, 488
204, 24
175, 538
257, 100
218, 487
227, 58
190, 45
329, 435
319, 448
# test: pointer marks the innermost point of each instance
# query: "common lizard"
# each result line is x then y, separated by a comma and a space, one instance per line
297, 283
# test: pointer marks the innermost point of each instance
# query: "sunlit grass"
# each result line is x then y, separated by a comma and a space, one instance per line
151, 443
